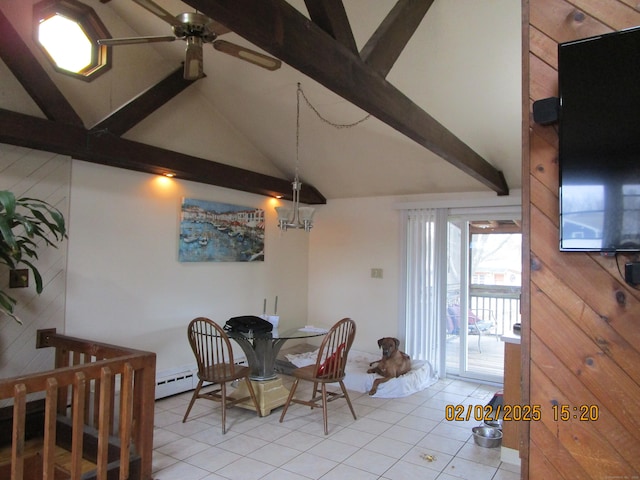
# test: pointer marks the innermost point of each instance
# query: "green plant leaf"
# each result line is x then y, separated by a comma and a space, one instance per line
25, 247
8, 202
6, 302
6, 259
36, 275
26, 225
6, 232
53, 227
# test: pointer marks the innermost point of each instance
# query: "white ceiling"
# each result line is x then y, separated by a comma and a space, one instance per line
462, 66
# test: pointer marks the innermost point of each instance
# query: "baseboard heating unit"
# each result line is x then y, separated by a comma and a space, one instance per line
174, 381
180, 379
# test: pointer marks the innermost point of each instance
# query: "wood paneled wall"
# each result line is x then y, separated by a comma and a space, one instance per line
47, 176
582, 344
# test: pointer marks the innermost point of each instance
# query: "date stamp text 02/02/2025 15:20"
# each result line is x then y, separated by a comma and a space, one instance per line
527, 413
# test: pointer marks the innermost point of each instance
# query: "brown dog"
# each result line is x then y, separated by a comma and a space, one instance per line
392, 364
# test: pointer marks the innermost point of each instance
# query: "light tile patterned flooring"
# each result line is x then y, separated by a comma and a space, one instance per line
394, 439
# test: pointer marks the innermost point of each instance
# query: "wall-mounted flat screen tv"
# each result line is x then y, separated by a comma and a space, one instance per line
599, 149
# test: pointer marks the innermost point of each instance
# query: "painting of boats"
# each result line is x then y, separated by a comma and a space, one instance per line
220, 232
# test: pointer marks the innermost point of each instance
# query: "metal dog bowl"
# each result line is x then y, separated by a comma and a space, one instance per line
493, 423
489, 437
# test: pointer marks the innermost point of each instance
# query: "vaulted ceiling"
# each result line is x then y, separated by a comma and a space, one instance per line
439, 79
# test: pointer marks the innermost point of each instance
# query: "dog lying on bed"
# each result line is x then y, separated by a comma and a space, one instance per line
392, 364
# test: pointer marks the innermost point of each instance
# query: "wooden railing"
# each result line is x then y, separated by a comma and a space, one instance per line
502, 301
98, 406
499, 304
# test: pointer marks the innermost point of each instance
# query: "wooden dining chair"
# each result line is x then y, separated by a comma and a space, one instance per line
212, 349
329, 368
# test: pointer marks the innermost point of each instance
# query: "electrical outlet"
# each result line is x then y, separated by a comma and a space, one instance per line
19, 278
376, 273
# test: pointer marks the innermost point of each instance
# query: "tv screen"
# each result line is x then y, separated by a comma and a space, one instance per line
599, 149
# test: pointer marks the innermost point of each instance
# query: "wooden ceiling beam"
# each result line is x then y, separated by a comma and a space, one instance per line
388, 41
128, 116
331, 17
33, 78
107, 149
281, 30
64, 132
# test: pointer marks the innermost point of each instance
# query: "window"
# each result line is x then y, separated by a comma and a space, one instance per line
67, 32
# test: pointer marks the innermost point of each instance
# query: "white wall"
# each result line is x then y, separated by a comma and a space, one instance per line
125, 284
353, 236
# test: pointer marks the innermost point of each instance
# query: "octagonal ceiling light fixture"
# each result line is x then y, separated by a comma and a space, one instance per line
67, 32
66, 43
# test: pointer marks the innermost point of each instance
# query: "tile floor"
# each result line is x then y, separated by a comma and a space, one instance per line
394, 439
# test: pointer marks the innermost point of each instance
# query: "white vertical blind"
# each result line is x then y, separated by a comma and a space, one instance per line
425, 267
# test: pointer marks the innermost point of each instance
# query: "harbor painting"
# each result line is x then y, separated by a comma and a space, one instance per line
220, 232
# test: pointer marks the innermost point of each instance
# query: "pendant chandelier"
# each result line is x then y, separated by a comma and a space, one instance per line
296, 217
302, 217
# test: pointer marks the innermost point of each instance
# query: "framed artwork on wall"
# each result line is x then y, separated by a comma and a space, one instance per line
220, 232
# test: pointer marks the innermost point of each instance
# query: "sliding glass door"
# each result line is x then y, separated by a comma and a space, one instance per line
482, 293
461, 287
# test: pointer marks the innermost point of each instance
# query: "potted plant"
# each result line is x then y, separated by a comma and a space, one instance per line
26, 224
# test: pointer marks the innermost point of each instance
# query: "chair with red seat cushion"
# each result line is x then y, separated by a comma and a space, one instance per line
329, 368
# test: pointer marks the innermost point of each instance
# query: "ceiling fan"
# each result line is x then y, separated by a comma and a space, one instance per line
196, 29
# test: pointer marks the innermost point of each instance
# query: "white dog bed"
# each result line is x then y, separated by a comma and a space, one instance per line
357, 379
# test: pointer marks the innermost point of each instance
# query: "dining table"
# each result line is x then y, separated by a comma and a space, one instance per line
261, 350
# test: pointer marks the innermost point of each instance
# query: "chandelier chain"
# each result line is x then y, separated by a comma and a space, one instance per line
297, 130
302, 217
328, 122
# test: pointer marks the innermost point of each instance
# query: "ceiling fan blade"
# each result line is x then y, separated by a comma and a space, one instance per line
134, 40
248, 55
158, 11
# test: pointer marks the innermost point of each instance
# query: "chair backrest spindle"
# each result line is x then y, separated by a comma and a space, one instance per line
211, 347
332, 354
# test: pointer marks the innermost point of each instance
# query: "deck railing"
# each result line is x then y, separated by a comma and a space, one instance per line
502, 301
94, 387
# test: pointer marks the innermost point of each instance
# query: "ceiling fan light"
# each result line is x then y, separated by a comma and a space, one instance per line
192, 70
193, 61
